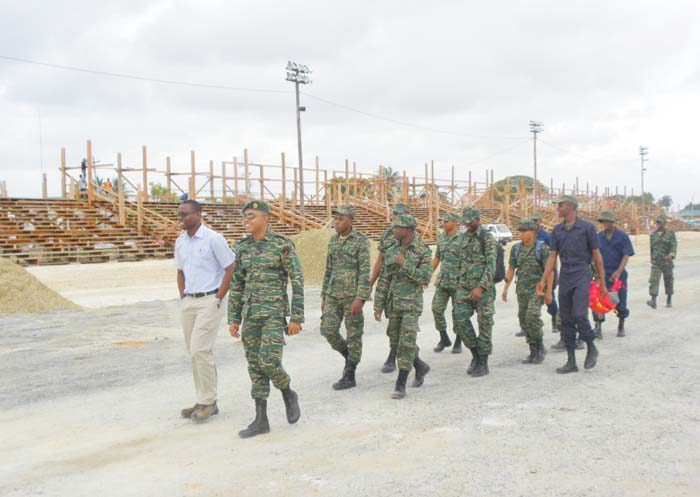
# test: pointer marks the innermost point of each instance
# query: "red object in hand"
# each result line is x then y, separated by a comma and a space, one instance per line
603, 306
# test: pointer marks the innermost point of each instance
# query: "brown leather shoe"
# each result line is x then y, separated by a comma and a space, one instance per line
187, 412
204, 412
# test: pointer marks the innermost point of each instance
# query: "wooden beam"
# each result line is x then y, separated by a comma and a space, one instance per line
168, 178
144, 165
44, 192
121, 192
212, 195
245, 172
90, 165
235, 178
63, 173
192, 187
223, 180
318, 189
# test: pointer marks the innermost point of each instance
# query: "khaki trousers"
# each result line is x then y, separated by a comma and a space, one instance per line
200, 324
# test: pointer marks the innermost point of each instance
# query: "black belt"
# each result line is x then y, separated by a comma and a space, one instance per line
201, 294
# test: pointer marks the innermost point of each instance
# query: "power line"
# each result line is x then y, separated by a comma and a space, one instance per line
588, 159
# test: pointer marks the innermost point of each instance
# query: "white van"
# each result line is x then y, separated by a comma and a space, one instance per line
500, 232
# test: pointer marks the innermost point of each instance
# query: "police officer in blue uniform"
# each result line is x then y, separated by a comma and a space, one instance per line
575, 242
616, 249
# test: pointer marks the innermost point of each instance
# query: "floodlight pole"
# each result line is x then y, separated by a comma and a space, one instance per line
643, 152
297, 73
535, 127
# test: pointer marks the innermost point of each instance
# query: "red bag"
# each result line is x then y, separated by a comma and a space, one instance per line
603, 306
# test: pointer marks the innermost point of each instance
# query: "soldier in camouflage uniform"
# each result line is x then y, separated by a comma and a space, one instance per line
528, 257
407, 268
447, 256
476, 291
265, 261
663, 246
344, 292
385, 241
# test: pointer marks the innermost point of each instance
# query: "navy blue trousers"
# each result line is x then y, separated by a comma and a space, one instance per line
574, 296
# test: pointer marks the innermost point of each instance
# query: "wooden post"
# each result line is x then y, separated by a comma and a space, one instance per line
469, 188
506, 191
144, 162
404, 189
347, 181
235, 178
576, 185
284, 180
168, 177
90, 165
3, 189
63, 173
44, 192
139, 210
355, 189
122, 193
192, 186
452, 185
245, 172
211, 181
493, 189
223, 180
325, 182
551, 189
318, 190
294, 191
262, 182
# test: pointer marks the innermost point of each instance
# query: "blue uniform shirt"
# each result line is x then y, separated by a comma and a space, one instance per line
544, 236
574, 247
614, 250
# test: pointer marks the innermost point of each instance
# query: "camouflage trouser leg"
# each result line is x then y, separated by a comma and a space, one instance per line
485, 310
263, 341
656, 272
407, 325
334, 312
393, 329
440, 300
522, 311
532, 309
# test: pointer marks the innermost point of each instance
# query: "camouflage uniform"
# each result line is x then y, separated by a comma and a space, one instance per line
661, 245
259, 298
346, 279
529, 273
400, 295
477, 269
448, 251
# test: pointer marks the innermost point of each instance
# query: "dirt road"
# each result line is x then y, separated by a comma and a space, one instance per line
90, 404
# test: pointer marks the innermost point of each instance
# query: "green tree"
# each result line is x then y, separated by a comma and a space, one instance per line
514, 184
665, 202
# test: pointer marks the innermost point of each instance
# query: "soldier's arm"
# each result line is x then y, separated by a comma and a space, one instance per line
490, 270
382, 290
377, 268
418, 268
235, 294
548, 270
364, 288
436, 262
293, 267
674, 245
329, 268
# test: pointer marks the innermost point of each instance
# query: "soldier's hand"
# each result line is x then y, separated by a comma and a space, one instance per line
400, 259
323, 305
668, 258
548, 298
540, 288
504, 296
377, 315
476, 293
615, 276
293, 329
603, 289
233, 329
356, 307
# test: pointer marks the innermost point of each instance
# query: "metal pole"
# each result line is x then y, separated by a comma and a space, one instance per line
301, 159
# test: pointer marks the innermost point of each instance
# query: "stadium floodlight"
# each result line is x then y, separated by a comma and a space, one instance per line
535, 128
298, 74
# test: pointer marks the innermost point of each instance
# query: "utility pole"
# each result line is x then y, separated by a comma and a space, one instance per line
643, 152
299, 74
535, 127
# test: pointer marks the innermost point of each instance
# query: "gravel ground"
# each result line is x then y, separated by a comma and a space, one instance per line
91, 399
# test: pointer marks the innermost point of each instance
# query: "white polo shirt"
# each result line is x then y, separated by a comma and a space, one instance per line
203, 258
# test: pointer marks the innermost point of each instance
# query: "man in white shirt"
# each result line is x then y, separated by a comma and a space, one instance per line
204, 264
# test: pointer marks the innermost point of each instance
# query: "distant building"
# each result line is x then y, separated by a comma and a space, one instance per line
690, 216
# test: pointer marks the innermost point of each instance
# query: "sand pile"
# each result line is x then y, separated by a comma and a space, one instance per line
312, 247
22, 292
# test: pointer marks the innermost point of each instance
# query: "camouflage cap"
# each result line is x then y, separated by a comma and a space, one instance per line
450, 216
527, 225
661, 219
406, 221
536, 217
469, 214
606, 216
344, 210
566, 198
401, 209
256, 205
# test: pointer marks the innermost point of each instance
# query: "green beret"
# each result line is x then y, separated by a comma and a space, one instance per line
606, 216
566, 198
401, 209
527, 225
469, 214
405, 221
450, 216
536, 217
661, 219
344, 210
256, 205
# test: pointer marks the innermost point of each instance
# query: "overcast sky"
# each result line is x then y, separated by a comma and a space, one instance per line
603, 76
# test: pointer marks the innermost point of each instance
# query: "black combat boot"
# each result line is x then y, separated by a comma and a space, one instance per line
668, 301
482, 367
560, 345
570, 366
521, 333
348, 379
443, 343
291, 404
400, 388
652, 303
598, 330
621, 328
422, 369
457, 349
591, 356
540, 352
533, 354
390, 364
475, 360
260, 424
